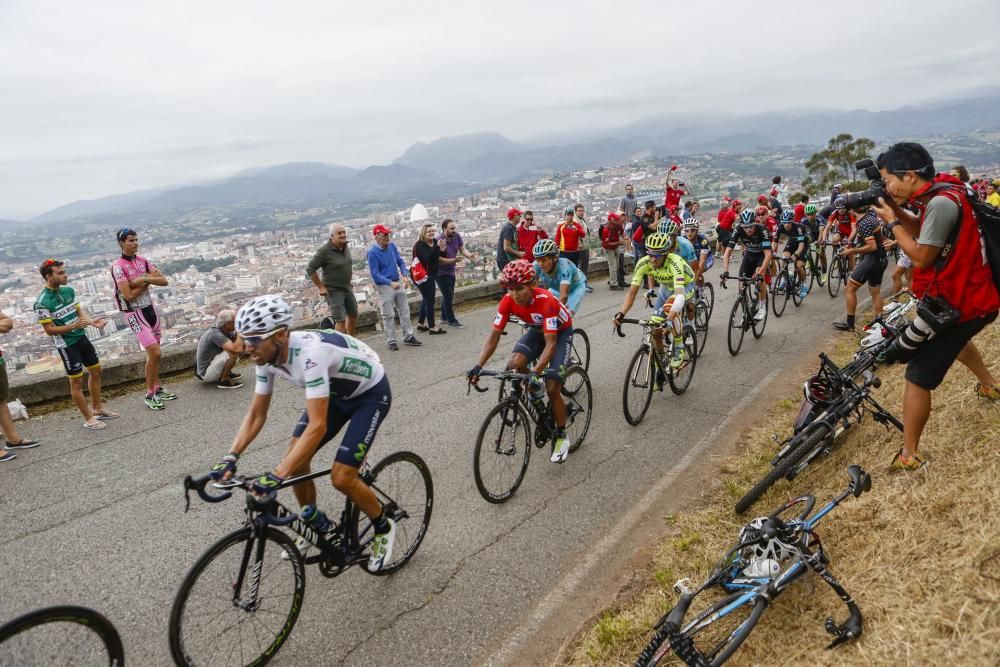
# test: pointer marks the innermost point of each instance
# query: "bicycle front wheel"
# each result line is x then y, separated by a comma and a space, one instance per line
701, 316
796, 288
807, 441
680, 379
402, 483
580, 354
503, 449
239, 602
579, 399
63, 635
737, 328
638, 389
708, 295
833, 277
779, 294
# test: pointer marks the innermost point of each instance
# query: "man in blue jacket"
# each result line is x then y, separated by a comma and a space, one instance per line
389, 273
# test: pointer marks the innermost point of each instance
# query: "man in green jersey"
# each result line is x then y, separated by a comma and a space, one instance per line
63, 318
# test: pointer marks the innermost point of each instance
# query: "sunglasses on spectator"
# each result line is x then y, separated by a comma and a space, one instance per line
254, 341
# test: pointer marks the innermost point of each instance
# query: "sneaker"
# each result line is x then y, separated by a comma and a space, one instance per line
843, 326
153, 403
761, 311
165, 395
235, 375
7, 456
393, 346
382, 548
560, 452
24, 444
803, 291
680, 356
991, 394
915, 463
455, 324
437, 332
229, 384
301, 545
412, 340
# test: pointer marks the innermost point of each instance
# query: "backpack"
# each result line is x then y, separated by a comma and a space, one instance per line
988, 218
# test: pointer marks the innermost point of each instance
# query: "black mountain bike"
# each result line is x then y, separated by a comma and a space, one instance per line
647, 372
241, 598
741, 317
503, 446
833, 402
771, 554
837, 272
63, 635
785, 285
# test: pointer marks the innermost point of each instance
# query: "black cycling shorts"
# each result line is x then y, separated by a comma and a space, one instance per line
78, 356
933, 359
870, 269
532, 343
724, 235
792, 246
750, 263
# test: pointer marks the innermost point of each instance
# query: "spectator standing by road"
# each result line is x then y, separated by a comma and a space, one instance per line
612, 237
64, 319
333, 259
507, 250
446, 270
569, 232
133, 274
580, 215
799, 212
646, 227
528, 234
428, 250
12, 439
628, 204
389, 274
218, 353
964, 280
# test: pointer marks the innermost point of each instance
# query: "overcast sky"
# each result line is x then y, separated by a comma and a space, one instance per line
107, 97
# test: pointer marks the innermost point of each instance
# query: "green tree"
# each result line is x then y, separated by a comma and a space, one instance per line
835, 164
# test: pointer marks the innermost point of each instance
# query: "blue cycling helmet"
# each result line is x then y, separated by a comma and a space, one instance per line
787, 216
748, 217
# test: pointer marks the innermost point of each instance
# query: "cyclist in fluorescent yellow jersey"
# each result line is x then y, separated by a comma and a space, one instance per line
676, 285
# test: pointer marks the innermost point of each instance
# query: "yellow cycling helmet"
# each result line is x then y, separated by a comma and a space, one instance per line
657, 242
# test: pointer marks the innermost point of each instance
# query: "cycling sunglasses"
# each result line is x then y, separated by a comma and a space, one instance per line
656, 255
254, 341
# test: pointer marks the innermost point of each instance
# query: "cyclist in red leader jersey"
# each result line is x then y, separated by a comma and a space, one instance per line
547, 342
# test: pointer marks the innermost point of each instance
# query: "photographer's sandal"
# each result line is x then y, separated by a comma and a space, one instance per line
916, 462
991, 393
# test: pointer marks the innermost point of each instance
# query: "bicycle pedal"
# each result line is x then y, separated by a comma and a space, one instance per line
683, 586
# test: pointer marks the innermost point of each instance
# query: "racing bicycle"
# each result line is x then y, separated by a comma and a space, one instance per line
771, 553
741, 317
786, 284
814, 267
837, 273
579, 354
242, 597
503, 446
63, 635
647, 371
704, 304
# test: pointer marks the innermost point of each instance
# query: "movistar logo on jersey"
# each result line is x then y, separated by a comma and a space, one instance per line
314, 382
356, 367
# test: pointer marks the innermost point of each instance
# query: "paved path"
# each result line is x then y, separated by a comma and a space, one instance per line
96, 518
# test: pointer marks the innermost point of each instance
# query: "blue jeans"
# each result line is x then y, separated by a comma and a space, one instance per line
446, 282
427, 291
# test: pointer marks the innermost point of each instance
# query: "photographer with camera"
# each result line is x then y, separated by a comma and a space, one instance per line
950, 276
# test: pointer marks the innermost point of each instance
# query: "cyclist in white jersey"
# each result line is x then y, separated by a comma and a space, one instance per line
345, 384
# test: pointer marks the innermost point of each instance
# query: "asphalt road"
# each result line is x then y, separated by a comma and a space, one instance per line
96, 518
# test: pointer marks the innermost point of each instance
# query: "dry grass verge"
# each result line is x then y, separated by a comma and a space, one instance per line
920, 553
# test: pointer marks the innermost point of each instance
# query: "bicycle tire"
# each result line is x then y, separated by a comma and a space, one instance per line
736, 315
779, 294
578, 405
576, 357
360, 527
701, 316
502, 412
680, 385
88, 618
833, 277
782, 467
796, 287
711, 298
642, 362
179, 648
757, 327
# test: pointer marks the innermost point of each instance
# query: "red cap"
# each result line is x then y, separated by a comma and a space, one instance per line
737, 202
512, 212
613, 216
381, 229
673, 167
762, 199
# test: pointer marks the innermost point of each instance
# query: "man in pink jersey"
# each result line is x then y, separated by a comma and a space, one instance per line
133, 274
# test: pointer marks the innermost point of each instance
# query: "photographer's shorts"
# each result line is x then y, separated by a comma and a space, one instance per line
342, 304
933, 359
870, 269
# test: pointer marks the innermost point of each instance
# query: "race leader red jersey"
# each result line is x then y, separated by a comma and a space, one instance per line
544, 311
843, 221
966, 280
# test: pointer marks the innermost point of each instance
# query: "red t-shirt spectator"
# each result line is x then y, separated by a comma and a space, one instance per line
527, 237
727, 217
611, 235
673, 197
568, 236
799, 212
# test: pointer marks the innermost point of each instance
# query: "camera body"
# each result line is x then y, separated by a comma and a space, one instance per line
876, 188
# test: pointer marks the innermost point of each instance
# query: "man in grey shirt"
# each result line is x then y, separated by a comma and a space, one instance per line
218, 352
334, 260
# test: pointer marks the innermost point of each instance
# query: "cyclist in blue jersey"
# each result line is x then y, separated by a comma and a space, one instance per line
701, 247
559, 275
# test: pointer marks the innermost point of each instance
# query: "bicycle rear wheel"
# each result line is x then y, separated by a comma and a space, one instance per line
779, 294
503, 449
757, 326
580, 353
807, 441
212, 623
701, 315
715, 637
402, 483
638, 389
680, 379
833, 277
58, 636
579, 398
737, 328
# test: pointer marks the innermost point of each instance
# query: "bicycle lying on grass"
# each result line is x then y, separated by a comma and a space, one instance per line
63, 635
771, 553
241, 598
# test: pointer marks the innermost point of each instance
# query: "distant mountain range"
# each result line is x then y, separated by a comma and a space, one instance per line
460, 163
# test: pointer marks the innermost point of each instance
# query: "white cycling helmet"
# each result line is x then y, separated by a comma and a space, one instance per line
263, 315
772, 549
874, 335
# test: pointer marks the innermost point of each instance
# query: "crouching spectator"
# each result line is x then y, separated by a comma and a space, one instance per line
218, 352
